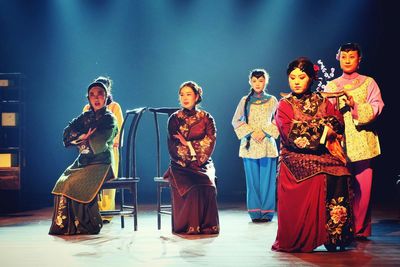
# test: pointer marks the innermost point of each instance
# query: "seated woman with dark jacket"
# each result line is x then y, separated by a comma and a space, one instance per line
191, 142
75, 204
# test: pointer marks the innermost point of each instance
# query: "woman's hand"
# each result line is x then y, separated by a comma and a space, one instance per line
331, 134
86, 135
258, 136
349, 100
181, 139
333, 145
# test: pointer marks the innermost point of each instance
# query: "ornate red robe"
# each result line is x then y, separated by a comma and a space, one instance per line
313, 185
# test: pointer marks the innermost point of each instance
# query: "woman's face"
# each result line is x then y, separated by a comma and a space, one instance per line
258, 84
349, 61
97, 97
298, 81
187, 97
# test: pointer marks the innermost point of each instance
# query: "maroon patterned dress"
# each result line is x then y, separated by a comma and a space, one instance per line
192, 173
313, 185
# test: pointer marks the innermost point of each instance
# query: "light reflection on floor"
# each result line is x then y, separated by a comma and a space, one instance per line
24, 242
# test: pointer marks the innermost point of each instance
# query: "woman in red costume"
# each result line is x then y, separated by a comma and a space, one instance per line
313, 182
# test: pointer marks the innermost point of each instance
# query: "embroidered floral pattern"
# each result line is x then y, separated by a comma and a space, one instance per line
184, 154
338, 214
201, 146
313, 123
193, 230
184, 128
314, 155
191, 119
210, 230
60, 212
306, 134
307, 104
301, 142
76, 222
338, 219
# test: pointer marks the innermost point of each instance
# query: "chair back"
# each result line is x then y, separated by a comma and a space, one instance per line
127, 152
160, 111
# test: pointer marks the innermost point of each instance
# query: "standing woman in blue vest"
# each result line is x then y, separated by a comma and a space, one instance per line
253, 125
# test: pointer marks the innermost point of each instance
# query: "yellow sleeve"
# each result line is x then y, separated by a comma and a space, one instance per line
115, 108
272, 130
365, 113
330, 87
86, 108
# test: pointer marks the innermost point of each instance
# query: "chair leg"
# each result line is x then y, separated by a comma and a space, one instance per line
172, 211
122, 208
159, 190
135, 206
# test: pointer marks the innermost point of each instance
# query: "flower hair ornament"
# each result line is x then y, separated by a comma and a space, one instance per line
338, 55
326, 76
316, 69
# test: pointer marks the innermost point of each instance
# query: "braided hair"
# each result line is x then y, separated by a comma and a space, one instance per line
254, 73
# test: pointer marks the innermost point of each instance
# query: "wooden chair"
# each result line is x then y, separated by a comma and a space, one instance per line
162, 208
127, 178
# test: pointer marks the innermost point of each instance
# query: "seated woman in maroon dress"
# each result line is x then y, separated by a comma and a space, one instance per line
313, 182
191, 142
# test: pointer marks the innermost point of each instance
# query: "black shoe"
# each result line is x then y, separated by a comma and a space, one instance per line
210, 231
361, 238
330, 247
260, 220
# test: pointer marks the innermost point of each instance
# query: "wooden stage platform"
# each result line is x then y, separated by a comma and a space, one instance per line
24, 242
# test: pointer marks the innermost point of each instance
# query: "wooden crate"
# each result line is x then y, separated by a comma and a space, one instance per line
10, 178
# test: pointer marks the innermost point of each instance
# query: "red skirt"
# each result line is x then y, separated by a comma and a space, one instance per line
313, 212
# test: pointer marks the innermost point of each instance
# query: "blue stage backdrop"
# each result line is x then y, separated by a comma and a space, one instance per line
149, 48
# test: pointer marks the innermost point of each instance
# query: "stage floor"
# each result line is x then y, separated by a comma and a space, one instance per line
24, 242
